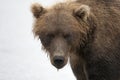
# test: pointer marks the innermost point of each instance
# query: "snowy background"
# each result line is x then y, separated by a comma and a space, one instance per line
21, 57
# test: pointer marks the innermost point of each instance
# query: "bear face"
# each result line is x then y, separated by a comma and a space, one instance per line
62, 29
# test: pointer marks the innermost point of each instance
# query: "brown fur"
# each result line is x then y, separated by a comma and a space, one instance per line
87, 31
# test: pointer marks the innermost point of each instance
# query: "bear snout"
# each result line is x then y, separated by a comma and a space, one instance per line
59, 61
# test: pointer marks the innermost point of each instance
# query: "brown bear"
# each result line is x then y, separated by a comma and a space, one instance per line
87, 32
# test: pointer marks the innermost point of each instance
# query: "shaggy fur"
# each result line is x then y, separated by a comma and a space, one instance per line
87, 31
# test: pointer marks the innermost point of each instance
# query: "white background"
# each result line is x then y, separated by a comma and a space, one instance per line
21, 57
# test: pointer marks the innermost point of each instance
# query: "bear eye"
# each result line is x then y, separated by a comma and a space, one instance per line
67, 37
50, 36
46, 39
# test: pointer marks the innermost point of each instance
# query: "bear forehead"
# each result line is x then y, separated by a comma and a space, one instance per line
60, 14
58, 21
58, 18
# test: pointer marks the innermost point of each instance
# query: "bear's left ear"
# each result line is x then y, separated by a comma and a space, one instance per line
37, 10
82, 12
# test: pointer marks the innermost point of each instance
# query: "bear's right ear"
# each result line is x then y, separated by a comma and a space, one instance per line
37, 10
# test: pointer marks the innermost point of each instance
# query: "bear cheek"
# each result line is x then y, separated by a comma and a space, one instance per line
75, 41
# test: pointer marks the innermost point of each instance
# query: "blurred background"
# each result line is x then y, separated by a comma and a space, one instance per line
21, 57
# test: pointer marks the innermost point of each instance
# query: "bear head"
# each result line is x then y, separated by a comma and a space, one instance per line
62, 29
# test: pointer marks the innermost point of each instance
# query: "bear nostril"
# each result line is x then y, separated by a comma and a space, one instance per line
58, 60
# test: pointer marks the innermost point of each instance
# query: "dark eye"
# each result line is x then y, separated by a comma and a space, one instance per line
67, 37
46, 39
50, 36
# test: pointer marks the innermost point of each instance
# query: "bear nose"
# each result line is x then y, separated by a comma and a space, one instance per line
58, 60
